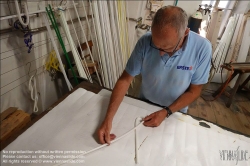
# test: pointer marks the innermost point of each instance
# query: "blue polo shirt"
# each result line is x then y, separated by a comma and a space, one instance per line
166, 78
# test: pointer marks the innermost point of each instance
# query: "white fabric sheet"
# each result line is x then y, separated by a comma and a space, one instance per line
178, 141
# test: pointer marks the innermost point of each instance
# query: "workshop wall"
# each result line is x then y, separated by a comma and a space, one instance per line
15, 60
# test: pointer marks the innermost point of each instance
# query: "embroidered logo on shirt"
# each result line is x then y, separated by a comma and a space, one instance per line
184, 67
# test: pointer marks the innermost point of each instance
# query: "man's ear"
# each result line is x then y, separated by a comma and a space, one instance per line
187, 31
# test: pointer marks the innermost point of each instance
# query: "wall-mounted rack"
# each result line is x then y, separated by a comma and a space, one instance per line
40, 29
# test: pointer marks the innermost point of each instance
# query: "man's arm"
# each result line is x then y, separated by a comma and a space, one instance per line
186, 98
117, 96
192, 93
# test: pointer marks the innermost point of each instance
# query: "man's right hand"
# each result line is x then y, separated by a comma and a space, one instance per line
104, 133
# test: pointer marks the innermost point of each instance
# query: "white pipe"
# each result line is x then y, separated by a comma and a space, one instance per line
57, 52
114, 32
120, 58
104, 37
29, 14
104, 145
85, 63
85, 38
97, 44
110, 45
75, 53
99, 34
119, 32
19, 14
90, 53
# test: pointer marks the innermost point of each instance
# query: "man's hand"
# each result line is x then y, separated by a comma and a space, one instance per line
155, 119
104, 133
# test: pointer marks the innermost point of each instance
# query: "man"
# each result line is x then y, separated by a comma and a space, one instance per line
174, 63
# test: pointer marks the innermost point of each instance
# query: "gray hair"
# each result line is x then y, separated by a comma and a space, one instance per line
172, 16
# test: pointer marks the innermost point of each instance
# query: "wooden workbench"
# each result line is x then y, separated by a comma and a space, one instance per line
237, 69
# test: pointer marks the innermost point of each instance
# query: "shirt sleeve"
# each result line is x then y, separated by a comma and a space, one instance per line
202, 71
134, 64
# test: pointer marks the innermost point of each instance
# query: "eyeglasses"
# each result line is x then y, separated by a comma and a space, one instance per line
160, 49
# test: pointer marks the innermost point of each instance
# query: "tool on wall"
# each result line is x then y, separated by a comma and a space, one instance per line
52, 65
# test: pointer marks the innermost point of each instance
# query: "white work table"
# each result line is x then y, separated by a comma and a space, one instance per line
178, 141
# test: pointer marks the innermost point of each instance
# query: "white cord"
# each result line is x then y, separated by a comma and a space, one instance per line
19, 14
33, 92
117, 139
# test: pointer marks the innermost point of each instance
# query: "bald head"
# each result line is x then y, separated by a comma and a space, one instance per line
171, 16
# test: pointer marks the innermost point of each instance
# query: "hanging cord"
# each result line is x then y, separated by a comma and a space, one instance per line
27, 33
33, 90
19, 14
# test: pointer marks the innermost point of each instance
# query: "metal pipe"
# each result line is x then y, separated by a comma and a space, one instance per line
29, 14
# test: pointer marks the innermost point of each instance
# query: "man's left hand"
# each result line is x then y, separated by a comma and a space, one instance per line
155, 119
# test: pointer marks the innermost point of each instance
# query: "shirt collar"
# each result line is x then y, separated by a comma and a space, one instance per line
184, 46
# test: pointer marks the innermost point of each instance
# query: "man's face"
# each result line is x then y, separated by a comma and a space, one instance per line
167, 40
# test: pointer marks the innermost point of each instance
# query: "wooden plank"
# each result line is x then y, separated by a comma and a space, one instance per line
192, 109
13, 123
7, 112
205, 110
223, 116
244, 122
241, 116
245, 109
